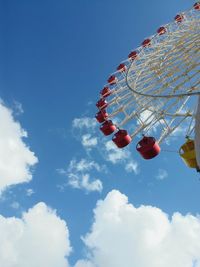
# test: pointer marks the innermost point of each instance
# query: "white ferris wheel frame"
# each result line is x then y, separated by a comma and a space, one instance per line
151, 82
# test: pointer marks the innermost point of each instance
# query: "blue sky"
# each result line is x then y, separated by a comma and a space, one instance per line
55, 58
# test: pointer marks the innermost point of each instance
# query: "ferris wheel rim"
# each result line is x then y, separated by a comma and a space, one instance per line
157, 95
141, 49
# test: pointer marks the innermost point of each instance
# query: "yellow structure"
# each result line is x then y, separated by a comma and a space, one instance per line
187, 153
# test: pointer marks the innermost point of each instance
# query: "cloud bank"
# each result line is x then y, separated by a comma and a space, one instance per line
123, 235
40, 238
16, 158
120, 235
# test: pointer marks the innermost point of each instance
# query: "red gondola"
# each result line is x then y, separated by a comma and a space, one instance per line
108, 127
197, 6
112, 80
146, 43
162, 30
122, 67
106, 91
102, 104
101, 116
179, 18
133, 55
148, 147
121, 138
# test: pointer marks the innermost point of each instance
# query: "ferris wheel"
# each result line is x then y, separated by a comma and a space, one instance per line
151, 95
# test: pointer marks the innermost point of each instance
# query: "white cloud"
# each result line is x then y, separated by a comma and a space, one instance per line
18, 108
84, 263
83, 181
114, 154
40, 238
79, 175
162, 174
132, 166
83, 128
83, 165
88, 141
15, 157
148, 117
123, 235
29, 192
85, 122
